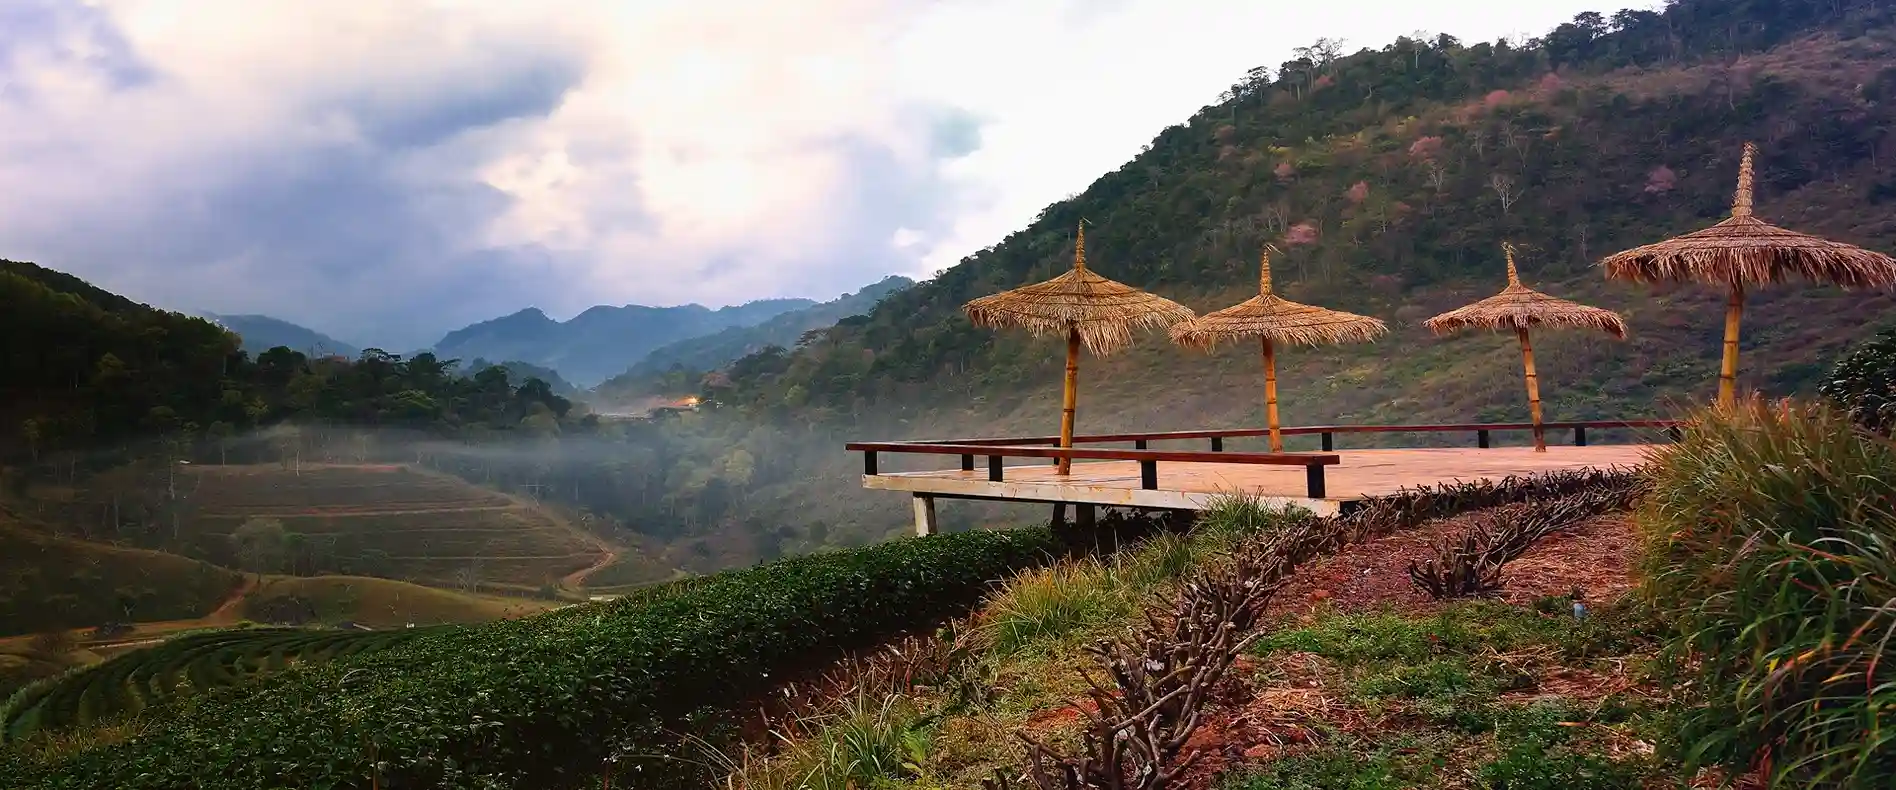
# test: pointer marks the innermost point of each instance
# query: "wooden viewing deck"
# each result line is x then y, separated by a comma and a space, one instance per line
1323, 482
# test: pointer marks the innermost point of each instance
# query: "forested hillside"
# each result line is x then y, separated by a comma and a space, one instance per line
261, 333
1392, 176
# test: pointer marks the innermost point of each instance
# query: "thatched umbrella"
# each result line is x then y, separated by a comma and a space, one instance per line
1745, 250
1088, 309
1273, 320
1520, 308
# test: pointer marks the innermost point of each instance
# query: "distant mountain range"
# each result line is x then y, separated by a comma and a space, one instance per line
604, 340
627, 343
713, 351
261, 333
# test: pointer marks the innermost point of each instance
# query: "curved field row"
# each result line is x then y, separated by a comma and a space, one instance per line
391, 521
442, 506
134, 681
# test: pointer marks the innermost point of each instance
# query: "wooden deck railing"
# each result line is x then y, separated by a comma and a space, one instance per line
1483, 433
1313, 463
998, 450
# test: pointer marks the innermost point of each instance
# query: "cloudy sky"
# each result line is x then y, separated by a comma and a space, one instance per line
386, 170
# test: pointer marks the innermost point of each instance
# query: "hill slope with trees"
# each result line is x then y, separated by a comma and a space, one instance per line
1391, 176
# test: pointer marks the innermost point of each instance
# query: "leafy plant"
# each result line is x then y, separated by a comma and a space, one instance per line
1863, 384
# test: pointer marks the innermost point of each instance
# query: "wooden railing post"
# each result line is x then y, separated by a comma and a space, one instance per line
1481, 438
1217, 444
1674, 433
1329, 441
1149, 475
1313, 480
1580, 436
994, 468
1139, 444
967, 462
869, 462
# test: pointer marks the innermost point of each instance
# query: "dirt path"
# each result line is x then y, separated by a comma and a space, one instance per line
577, 579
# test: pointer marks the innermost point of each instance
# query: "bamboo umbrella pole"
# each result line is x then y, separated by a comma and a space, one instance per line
1270, 394
1527, 358
1728, 370
1735, 307
1533, 389
1071, 398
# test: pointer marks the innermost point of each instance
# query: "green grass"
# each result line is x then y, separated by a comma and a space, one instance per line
869, 744
1048, 608
1399, 763
1772, 548
1439, 686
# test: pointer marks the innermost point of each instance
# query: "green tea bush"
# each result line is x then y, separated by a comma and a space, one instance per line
1863, 384
134, 681
1771, 550
561, 699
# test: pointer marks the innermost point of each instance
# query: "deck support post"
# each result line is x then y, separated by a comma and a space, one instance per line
925, 523
967, 463
1313, 481
1329, 441
1217, 444
1580, 436
994, 468
1085, 515
1149, 475
1481, 439
869, 462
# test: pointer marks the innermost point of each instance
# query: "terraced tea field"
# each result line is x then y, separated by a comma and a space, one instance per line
139, 679
394, 521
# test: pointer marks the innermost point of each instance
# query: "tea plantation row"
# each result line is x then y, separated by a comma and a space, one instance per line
557, 700
155, 676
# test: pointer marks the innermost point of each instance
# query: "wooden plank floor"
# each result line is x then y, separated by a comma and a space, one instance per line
1191, 486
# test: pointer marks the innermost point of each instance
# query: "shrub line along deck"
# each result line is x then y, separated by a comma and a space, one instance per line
1192, 479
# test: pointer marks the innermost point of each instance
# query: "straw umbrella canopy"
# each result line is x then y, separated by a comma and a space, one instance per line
1520, 308
1088, 309
1275, 320
1744, 251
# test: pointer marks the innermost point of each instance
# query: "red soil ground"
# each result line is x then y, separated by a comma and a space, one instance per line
1258, 724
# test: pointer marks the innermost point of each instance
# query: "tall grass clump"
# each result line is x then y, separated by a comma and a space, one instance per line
1044, 606
869, 743
1769, 548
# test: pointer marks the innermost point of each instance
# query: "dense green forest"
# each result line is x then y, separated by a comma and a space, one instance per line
1391, 176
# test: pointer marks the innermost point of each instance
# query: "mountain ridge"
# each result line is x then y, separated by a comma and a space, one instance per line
602, 340
260, 333
698, 355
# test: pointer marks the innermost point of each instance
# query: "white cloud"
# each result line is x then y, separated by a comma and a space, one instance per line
385, 171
